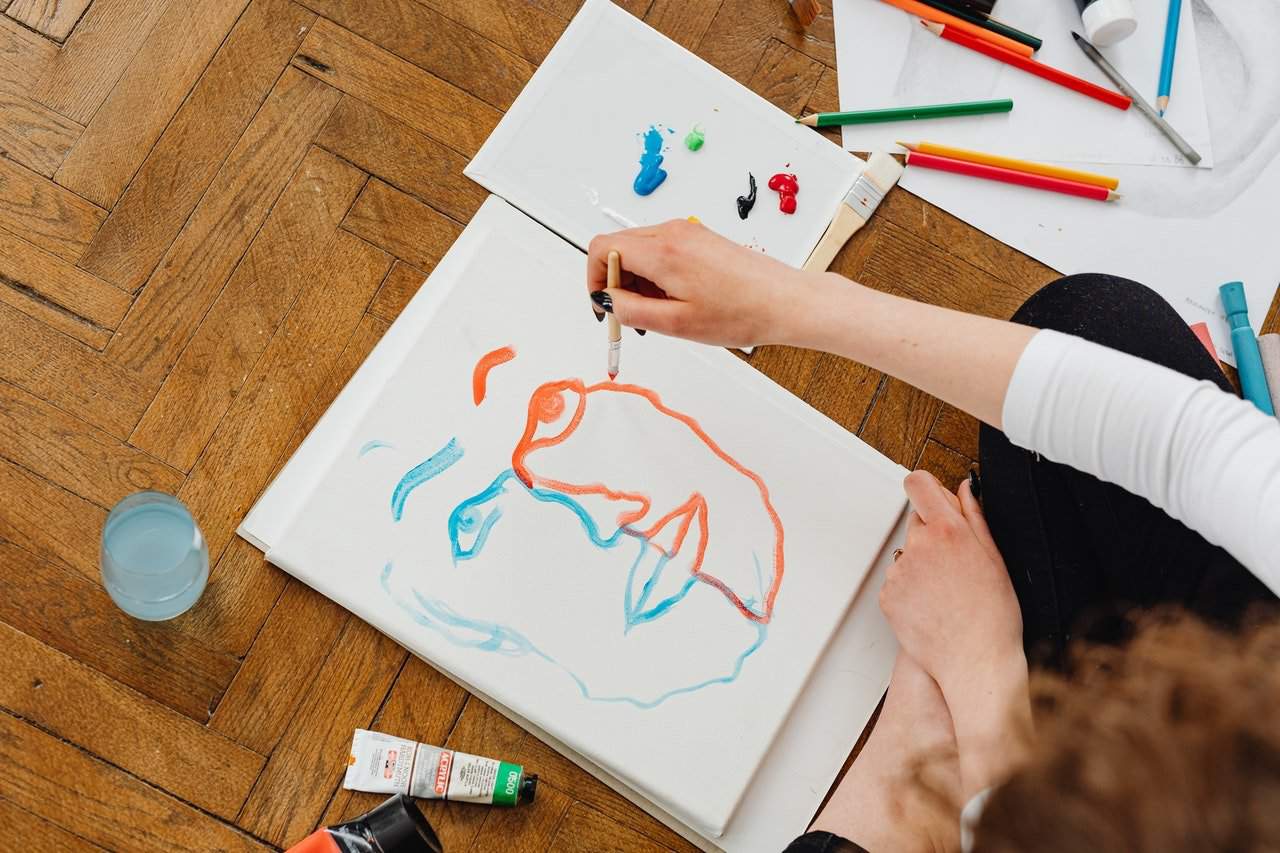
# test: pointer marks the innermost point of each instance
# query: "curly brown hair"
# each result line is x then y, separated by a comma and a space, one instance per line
1171, 743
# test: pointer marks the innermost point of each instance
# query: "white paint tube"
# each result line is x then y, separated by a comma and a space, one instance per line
383, 764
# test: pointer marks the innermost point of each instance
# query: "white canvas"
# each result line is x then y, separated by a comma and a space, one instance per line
888, 59
567, 152
676, 693
1182, 232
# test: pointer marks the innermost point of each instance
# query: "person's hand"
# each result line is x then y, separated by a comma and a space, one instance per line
949, 600
681, 278
948, 597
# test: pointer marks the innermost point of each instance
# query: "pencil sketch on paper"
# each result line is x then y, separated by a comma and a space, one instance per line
674, 583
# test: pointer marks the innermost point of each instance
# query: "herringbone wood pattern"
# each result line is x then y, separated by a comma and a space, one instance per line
209, 214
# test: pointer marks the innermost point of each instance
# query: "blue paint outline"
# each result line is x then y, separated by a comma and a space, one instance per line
372, 445
435, 464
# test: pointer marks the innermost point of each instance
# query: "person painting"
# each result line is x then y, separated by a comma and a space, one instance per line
1120, 473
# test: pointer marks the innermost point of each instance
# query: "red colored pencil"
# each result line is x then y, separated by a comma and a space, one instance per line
1048, 72
1011, 176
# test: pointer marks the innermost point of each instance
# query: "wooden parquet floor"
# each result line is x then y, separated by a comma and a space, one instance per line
209, 213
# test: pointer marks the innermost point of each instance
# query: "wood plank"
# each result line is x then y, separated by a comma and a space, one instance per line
683, 21
68, 374
241, 592
424, 705
402, 225
274, 680
50, 522
57, 293
307, 764
453, 53
23, 54
944, 463
527, 829
179, 168
142, 102
357, 349
900, 421
221, 227
79, 77
54, 18
956, 430
825, 98
738, 35
843, 390
585, 830
73, 454
98, 801
37, 834
34, 135
76, 617
41, 212
396, 86
402, 157
401, 284
158, 745
235, 465
521, 26
233, 335
785, 77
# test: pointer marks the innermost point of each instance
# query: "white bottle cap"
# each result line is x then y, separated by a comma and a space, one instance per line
1108, 22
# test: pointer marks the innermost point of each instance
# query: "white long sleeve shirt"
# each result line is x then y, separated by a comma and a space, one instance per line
1207, 458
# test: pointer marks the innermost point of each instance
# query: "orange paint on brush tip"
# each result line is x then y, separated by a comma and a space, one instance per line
487, 362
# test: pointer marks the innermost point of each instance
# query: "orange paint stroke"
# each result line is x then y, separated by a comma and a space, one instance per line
487, 362
547, 404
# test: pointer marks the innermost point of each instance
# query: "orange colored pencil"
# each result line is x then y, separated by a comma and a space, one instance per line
1011, 176
929, 13
1014, 163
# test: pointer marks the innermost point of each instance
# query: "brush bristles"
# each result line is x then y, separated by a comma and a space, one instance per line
883, 170
806, 11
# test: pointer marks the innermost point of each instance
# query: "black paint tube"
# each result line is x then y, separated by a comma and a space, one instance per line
396, 826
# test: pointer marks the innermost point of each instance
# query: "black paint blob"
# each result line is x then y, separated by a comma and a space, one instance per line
748, 201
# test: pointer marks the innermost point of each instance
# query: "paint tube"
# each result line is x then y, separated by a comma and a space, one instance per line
396, 826
382, 764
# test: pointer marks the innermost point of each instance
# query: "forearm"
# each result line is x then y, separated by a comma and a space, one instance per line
991, 711
960, 358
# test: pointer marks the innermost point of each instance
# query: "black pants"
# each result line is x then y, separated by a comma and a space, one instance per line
1082, 553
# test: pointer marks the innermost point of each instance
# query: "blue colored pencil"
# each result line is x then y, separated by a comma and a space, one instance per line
1166, 61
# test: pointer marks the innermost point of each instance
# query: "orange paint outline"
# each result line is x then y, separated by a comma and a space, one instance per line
480, 374
545, 405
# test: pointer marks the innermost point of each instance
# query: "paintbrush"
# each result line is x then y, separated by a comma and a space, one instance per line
806, 10
612, 280
882, 172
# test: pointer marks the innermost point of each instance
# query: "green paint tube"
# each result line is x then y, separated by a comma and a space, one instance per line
383, 764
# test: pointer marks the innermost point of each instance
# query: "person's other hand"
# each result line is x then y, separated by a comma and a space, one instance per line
682, 279
953, 609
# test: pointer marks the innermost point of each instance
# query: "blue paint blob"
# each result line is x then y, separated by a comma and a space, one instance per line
651, 172
371, 445
436, 464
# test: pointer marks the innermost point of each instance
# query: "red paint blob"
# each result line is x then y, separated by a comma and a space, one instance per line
787, 187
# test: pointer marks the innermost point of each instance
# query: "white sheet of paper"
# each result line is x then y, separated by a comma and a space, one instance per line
699, 689
569, 148
887, 59
1182, 232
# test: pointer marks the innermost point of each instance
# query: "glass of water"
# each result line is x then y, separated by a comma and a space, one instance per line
155, 562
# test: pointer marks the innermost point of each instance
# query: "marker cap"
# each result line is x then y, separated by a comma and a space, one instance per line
399, 827
1234, 302
1108, 22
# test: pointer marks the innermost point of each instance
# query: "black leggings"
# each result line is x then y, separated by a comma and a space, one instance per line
1082, 553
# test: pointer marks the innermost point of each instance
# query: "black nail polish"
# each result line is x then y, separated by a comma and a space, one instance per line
640, 332
975, 483
599, 317
603, 299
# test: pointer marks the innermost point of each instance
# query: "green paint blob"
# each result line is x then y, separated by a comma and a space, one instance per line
694, 139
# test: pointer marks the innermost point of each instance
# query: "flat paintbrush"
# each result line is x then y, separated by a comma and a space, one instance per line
855, 209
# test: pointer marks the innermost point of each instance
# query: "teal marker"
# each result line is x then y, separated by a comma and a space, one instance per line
1248, 359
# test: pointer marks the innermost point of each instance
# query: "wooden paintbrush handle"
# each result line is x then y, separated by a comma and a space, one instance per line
843, 226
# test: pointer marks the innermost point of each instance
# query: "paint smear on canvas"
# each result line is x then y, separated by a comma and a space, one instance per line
435, 465
787, 188
748, 201
651, 172
480, 374
696, 138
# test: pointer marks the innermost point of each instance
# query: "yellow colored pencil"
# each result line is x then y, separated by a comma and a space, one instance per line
1012, 163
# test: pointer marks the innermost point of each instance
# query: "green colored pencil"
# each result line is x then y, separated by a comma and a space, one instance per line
965, 108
